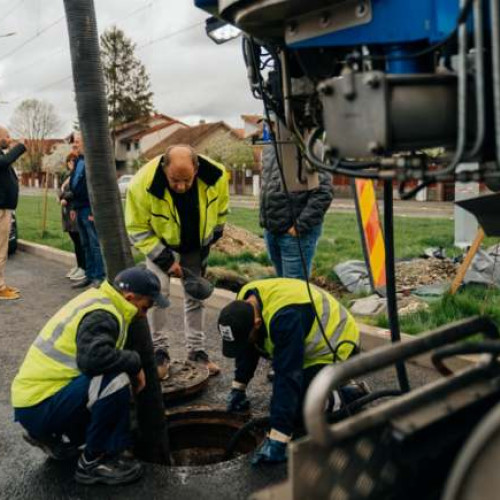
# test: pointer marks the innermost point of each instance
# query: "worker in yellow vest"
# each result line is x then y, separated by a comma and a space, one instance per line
275, 318
73, 387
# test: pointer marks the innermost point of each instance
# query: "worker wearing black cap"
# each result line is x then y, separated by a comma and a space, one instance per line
73, 387
275, 318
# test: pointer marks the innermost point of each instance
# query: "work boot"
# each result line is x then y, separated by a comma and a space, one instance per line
9, 294
162, 359
202, 358
106, 470
53, 447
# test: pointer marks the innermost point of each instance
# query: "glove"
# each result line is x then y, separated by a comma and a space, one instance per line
237, 401
270, 452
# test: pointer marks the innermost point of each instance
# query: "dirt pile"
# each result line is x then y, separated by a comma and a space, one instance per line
418, 272
237, 240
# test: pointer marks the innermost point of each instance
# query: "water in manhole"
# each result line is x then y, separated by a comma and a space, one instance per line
202, 436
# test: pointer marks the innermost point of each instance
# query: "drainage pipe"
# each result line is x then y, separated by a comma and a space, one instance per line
100, 169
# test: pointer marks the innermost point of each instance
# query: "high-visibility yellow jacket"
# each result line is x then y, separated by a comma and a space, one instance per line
340, 327
151, 217
50, 363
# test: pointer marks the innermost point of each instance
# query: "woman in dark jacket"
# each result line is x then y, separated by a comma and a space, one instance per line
281, 235
69, 225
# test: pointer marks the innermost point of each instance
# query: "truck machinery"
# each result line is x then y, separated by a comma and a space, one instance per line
364, 88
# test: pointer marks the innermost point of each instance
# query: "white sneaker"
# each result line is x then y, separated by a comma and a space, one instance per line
78, 275
72, 271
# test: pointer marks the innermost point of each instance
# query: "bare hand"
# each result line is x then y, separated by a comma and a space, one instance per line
292, 232
72, 215
140, 382
176, 270
64, 203
91, 218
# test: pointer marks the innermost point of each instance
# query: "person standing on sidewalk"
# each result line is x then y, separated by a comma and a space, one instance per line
73, 387
280, 233
69, 224
88, 235
175, 210
9, 195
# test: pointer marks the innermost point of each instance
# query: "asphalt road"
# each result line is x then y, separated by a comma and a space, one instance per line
26, 473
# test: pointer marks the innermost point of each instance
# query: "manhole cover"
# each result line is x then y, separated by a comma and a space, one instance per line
186, 379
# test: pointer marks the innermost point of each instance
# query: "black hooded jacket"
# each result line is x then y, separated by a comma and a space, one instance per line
9, 185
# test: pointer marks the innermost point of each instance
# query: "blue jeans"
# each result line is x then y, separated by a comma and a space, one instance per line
283, 249
90, 410
90, 243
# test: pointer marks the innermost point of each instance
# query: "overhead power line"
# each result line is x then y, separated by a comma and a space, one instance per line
41, 32
169, 35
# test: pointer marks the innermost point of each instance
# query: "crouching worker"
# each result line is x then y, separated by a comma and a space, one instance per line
274, 318
73, 387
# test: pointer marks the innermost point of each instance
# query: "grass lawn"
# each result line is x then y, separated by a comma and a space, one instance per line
340, 241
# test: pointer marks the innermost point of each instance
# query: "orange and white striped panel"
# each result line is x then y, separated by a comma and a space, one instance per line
372, 230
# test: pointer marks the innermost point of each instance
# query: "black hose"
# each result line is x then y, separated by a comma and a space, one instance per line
92, 107
392, 304
100, 170
248, 427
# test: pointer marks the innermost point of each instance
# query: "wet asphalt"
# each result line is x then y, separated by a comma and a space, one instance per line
25, 472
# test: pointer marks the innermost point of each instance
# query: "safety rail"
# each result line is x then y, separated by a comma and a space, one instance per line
334, 376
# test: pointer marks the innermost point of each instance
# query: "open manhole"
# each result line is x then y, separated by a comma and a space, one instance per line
202, 436
185, 379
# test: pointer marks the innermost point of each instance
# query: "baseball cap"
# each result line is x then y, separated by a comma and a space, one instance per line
143, 282
235, 323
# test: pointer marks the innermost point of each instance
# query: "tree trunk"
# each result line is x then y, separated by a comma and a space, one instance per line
107, 208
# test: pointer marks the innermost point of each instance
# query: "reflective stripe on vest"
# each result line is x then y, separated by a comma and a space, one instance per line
338, 324
48, 347
315, 339
50, 363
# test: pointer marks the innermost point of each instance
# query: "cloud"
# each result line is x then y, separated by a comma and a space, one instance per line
191, 77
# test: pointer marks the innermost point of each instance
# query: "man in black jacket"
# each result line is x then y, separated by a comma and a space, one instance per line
281, 234
9, 193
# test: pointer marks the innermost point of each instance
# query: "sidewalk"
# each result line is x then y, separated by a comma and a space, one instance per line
410, 208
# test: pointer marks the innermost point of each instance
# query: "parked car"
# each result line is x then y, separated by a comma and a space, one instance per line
13, 234
123, 183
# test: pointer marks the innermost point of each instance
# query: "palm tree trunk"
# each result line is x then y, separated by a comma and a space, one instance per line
91, 103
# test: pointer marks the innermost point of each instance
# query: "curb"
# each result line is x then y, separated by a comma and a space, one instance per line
371, 336
218, 299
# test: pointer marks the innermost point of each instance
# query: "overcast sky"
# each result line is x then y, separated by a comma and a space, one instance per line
191, 77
